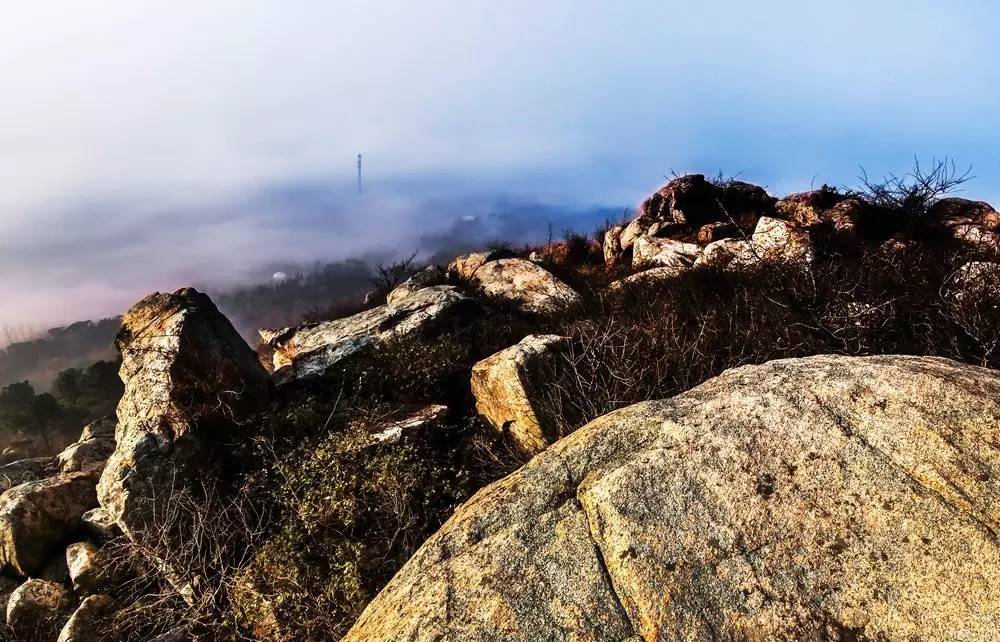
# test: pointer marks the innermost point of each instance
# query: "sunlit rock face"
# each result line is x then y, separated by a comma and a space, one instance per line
509, 388
311, 350
804, 499
525, 285
191, 382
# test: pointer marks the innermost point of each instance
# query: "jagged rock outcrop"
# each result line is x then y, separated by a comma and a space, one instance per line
612, 247
965, 210
89, 621
810, 209
509, 390
35, 602
687, 199
190, 381
428, 277
26, 470
91, 451
311, 350
773, 241
36, 515
804, 499
525, 284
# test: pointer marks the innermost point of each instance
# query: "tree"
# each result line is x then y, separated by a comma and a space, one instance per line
46, 414
15, 405
69, 386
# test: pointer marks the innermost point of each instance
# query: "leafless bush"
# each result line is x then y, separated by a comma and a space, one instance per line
654, 340
177, 573
388, 277
901, 203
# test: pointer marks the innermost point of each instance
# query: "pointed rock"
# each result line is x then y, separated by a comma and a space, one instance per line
190, 382
310, 351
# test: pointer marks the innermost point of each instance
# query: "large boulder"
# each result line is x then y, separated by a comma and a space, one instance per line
971, 222
965, 210
526, 285
191, 383
36, 603
651, 251
89, 453
464, 266
311, 350
509, 388
744, 200
611, 246
89, 622
825, 498
36, 515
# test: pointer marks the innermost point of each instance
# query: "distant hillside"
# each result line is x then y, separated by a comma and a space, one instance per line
75, 346
275, 304
285, 302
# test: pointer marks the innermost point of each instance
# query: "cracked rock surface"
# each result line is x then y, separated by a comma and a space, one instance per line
805, 499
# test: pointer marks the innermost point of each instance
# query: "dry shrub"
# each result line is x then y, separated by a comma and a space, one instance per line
199, 538
653, 341
352, 514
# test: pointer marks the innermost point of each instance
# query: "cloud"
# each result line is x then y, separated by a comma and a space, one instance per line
148, 144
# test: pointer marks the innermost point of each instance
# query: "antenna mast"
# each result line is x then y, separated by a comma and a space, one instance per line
360, 189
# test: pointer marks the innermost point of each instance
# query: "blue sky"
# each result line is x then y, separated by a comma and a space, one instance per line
145, 145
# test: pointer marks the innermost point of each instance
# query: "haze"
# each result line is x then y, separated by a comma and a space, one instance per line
150, 145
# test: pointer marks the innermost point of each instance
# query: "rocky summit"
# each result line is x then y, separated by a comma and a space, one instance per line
808, 499
730, 416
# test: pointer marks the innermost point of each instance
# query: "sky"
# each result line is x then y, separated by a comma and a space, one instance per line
147, 145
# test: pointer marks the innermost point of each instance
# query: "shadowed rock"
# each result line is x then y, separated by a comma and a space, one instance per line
26, 470
774, 241
89, 622
35, 602
428, 277
91, 451
805, 499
